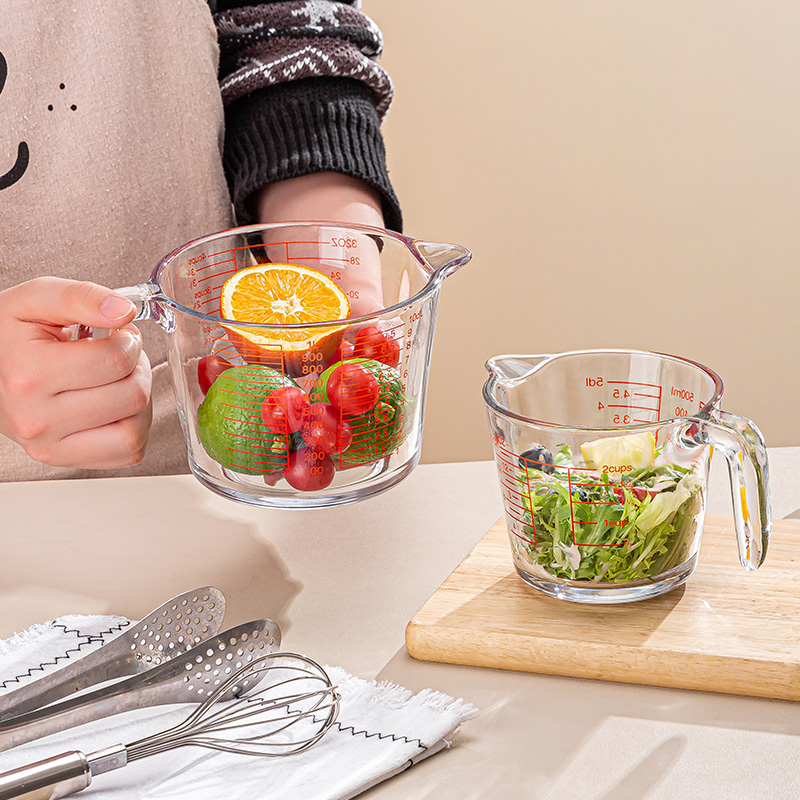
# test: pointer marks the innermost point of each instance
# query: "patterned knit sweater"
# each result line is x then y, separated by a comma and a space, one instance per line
303, 93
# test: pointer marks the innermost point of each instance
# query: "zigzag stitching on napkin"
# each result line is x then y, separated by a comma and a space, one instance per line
89, 639
393, 736
95, 637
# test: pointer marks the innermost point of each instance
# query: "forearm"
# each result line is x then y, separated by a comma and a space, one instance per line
321, 196
303, 96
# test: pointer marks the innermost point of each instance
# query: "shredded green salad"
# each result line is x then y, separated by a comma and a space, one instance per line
627, 530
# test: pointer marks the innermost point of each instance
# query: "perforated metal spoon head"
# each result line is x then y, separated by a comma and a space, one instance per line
210, 663
172, 628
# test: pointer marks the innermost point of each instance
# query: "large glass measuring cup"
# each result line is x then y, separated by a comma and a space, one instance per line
603, 459
261, 420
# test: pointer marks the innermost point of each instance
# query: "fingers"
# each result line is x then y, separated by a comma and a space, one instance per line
79, 403
59, 302
95, 428
85, 363
49, 366
119, 444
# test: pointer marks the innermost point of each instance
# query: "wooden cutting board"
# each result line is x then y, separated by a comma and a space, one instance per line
725, 630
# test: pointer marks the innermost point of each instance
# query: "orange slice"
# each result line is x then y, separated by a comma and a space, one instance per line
284, 294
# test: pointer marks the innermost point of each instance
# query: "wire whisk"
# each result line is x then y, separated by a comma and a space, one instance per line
290, 709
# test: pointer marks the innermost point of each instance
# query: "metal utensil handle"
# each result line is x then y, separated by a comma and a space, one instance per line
169, 682
111, 660
125, 695
52, 687
49, 779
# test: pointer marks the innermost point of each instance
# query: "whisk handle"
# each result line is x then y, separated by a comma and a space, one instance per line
49, 779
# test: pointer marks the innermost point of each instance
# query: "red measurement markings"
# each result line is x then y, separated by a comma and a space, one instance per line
231, 250
210, 293
533, 521
216, 275
321, 258
636, 383
633, 407
215, 264
572, 502
513, 494
221, 347
285, 246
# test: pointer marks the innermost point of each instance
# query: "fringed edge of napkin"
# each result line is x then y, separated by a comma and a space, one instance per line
77, 625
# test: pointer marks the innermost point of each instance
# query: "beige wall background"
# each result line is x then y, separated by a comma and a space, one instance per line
626, 173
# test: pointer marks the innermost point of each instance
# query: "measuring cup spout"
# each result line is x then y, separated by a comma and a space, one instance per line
442, 259
510, 370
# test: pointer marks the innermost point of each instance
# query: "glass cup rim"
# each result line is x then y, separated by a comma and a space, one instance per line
703, 413
157, 294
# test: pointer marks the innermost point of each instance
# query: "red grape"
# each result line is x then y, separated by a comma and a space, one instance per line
283, 409
209, 369
309, 470
325, 430
353, 389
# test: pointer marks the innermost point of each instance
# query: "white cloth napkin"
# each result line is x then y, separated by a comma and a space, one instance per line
381, 730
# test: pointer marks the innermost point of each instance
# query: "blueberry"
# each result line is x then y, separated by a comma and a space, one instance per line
538, 457
582, 496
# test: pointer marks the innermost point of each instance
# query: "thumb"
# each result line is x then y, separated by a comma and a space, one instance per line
56, 301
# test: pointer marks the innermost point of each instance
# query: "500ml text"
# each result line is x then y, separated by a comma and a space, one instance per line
682, 394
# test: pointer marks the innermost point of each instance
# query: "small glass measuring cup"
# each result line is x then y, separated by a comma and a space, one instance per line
223, 371
603, 459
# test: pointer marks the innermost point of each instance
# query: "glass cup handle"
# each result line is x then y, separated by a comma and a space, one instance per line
141, 295
742, 444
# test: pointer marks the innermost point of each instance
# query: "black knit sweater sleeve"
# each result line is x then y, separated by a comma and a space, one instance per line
303, 93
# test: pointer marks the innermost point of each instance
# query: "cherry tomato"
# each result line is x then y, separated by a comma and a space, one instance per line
391, 351
209, 369
284, 409
369, 343
372, 342
638, 492
309, 470
353, 389
325, 430
343, 351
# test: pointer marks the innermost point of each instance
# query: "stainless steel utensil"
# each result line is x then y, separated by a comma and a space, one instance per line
172, 628
188, 677
293, 708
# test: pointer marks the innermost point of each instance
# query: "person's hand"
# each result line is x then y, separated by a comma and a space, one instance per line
331, 197
83, 403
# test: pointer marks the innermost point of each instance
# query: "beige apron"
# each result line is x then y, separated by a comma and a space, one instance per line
111, 130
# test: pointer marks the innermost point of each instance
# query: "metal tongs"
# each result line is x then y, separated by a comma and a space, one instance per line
172, 628
188, 677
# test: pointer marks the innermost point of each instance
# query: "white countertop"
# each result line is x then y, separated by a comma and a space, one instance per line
343, 584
